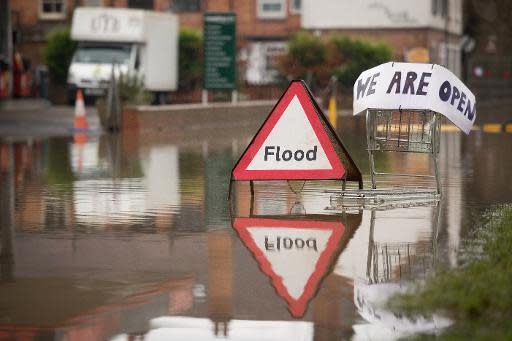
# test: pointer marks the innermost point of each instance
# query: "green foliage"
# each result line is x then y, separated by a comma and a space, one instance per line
356, 56
477, 296
57, 54
306, 57
131, 90
306, 50
337, 56
190, 59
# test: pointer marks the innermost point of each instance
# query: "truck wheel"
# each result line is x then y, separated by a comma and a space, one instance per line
158, 98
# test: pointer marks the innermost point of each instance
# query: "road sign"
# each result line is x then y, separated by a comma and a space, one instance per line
295, 254
295, 142
219, 50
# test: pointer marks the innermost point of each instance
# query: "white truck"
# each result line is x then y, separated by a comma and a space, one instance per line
142, 43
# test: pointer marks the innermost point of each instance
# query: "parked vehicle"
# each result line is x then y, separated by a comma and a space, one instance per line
140, 43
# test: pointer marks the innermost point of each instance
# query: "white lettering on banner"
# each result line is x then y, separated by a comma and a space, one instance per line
391, 86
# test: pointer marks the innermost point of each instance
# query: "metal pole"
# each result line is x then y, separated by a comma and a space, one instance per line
435, 149
371, 245
6, 44
369, 141
446, 33
436, 232
204, 97
332, 103
251, 210
7, 223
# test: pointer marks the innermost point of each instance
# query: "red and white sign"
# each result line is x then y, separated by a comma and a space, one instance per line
295, 254
292, 143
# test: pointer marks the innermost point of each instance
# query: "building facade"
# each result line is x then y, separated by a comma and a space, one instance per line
263, 26
425, 30
407, 26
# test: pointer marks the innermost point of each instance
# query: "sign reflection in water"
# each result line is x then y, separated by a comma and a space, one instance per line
295, 252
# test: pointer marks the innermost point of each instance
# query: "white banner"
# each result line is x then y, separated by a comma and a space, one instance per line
416, 86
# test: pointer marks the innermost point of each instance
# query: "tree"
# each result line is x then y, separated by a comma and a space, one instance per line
355, 57
317, 60
57, 54
306, 58
190, 59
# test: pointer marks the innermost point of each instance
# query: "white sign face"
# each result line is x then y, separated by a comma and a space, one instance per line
292, 253
104, 24
416, 86
291, 144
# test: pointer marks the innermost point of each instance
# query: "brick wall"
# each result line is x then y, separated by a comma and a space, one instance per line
249, 26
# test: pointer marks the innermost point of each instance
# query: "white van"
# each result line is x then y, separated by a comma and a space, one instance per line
142, 43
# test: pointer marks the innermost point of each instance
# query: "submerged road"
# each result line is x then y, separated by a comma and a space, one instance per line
21, 119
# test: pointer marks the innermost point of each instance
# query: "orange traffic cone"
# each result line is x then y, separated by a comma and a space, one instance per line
80, 117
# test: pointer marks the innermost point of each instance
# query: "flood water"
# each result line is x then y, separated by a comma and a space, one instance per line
131, 237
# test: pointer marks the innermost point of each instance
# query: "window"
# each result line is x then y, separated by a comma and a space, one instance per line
140, 4
434, 6
52, 9
102, 54
440, 7
444, 8
271, 9
295, 6
186, 6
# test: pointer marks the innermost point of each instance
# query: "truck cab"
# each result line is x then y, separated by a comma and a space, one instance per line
91, 66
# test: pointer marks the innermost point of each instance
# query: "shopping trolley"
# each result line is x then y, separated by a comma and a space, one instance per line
414, 131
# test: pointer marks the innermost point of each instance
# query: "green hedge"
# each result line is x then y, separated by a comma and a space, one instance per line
57, 54
358, 55
190, 59
317, 59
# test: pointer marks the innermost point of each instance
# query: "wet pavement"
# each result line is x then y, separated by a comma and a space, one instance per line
131, 235
27, 119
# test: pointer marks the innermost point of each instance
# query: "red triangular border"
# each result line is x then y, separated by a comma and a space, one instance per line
297, 307
296, 88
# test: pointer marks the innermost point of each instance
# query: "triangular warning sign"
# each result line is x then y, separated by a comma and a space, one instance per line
295, 254
294, 142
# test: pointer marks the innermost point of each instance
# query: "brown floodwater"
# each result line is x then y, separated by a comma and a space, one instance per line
131, 236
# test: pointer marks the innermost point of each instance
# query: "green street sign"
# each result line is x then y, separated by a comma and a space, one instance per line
219, 51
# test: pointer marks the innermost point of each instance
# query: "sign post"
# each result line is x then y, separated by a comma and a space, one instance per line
219, 52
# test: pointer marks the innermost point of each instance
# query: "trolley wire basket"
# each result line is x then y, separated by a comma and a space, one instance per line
414, 131
402, 260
